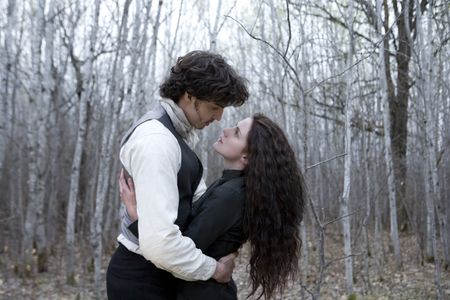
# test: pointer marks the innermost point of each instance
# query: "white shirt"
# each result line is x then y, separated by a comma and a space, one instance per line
152, 156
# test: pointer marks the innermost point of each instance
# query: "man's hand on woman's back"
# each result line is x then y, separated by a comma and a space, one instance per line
224, 268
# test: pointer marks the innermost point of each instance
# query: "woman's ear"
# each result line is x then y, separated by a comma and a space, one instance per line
244, 159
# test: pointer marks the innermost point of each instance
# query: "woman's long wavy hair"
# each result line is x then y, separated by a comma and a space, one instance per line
275, 192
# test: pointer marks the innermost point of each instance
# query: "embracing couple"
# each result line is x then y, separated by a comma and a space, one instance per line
179, 238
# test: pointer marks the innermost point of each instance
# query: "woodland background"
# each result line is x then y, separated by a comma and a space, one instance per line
360, 87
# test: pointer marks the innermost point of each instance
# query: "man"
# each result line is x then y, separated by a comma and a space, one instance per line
167, 176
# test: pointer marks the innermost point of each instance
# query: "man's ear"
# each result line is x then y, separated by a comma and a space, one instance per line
186, 97
185, 100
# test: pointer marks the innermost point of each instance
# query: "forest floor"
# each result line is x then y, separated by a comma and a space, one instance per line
415, 280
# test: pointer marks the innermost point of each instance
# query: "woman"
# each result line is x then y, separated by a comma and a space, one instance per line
259, 199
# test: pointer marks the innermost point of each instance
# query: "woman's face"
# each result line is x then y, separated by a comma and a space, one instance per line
232, 143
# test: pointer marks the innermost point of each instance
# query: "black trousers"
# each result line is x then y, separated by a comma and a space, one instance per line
205, 290
130, 276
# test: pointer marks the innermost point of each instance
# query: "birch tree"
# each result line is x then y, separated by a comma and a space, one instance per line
5, 80
383, 50
36, 138
107, 144
431, 176
141, 92
84, 92
345, 200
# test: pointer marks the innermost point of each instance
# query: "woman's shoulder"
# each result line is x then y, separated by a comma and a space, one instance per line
234, 187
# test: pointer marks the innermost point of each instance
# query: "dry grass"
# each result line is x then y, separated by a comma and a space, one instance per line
414, 281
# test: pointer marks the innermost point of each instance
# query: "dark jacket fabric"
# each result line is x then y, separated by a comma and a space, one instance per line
215, 225
216, 228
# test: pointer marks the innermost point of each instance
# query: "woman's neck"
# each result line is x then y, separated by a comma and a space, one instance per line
228, 165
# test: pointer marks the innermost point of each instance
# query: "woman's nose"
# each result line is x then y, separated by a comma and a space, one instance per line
225, 131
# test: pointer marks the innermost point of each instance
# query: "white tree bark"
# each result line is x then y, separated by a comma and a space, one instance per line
86, 83
388, 146
141, 94
151, 82
365, 230
431, 177
6, 62
48, 87
107, 145
35, 143
443, 208
345, 200
214, 32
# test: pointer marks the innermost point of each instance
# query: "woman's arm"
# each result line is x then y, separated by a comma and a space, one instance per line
214, 216
128, 195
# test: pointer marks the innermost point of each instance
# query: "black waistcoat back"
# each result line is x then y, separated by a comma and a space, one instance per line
189, 174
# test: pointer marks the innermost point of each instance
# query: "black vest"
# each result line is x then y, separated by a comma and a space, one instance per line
189, 174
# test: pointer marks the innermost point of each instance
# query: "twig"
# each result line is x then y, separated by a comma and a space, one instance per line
288, 17
306, 289
339, 218
341, 258
297, 81
325, 161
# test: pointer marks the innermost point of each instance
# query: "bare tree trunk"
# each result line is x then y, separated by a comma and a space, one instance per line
84, 82
153, 53
36, 123
345, 200
141, 95
431, 177
107, 146
5, 78
378, 240
365, 230
443, 209
48, 87
388, 147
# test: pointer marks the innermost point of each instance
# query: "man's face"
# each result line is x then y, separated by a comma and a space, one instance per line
201, 113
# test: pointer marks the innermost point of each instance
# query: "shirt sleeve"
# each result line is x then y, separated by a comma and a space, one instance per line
201, 188
215, 215
153, 161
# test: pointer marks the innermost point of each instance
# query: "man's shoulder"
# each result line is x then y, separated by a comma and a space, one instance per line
150, 129
152, 134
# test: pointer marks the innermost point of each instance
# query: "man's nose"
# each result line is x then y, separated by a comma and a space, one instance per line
218, 114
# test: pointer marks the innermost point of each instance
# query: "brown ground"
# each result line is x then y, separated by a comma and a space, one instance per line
414, 281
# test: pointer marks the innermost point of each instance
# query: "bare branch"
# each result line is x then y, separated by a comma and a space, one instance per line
341, 258
325, 161
289, 27
341, 217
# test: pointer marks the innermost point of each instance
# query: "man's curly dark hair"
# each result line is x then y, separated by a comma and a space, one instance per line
275, 199
206, 76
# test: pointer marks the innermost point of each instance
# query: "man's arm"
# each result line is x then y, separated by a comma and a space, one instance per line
201, 188
153, 161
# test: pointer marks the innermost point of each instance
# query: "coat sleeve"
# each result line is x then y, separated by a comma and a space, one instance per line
214, 216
